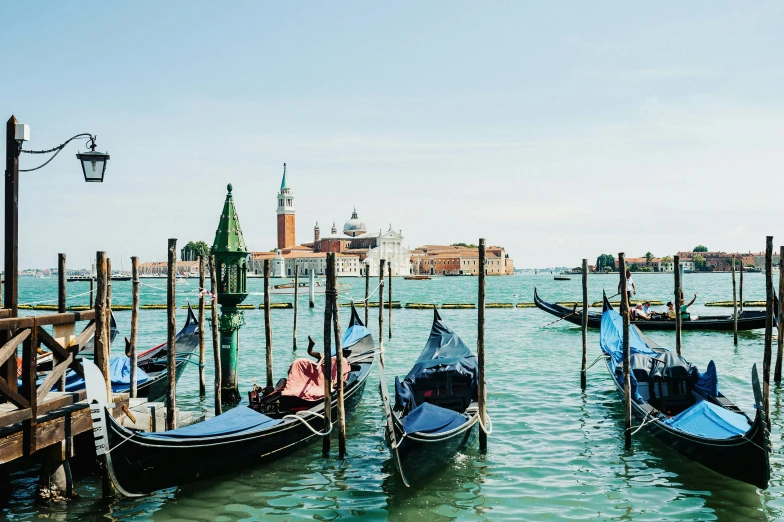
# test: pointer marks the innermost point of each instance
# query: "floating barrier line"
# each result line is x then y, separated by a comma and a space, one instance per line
57, 299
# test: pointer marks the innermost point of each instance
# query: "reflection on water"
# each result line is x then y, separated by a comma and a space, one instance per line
556, 452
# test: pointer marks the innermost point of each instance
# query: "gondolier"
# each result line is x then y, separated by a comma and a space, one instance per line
630, 288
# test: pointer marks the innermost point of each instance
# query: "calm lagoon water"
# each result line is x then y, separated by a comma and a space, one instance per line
556, 452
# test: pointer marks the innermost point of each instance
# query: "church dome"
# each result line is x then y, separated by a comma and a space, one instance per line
354, 226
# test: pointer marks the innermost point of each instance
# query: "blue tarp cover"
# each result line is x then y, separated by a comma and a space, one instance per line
611, 341
119, 370
427, 418
708, 382
352, 336
236, 421
708, 420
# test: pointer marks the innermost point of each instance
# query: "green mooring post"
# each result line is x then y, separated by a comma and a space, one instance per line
232, 269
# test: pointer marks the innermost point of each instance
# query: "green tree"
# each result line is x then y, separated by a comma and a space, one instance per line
635, 267
193, 250
466, 245
605, 261
700, 248
648, 257
699, 262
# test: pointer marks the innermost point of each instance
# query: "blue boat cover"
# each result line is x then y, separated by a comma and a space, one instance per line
427, 418
119, 370
710, 421
708, 383
611, 341
355, 332
239, 420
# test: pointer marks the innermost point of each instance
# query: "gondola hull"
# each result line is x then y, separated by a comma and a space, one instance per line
744, 458
141, 465
747, 320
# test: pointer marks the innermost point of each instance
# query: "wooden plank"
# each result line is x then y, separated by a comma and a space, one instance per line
15, 323
10, 347
51, 343
52, 378
83, 337
29, 376
60, 401
12, 395
14, 416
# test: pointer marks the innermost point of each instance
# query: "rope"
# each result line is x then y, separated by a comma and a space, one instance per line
57, 299
347, 297
594, 362
482, 424
446, 435
303, 421
644, 423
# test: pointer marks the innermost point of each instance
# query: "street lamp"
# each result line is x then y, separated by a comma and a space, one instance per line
93, 163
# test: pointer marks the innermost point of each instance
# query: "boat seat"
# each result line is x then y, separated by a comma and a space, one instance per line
449, 389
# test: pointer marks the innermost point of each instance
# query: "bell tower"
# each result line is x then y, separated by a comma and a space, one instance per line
286, 237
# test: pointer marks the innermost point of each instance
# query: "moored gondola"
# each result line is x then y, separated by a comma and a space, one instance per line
435, 414
747, 319
275, 424
684, 408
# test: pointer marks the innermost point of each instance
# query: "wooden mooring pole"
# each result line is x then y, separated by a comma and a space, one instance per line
267, 323
780, 322
171, 339
136, 283
327, 363
585, 325
381, 310
676, 264
101, 342
740, 288
311, 289
734, 306
61, 283
296, 303
202, 377
389, 269
367, 291
627, 383
338, 358
215, 335
480, 347
92, 290
768, 326
108, 322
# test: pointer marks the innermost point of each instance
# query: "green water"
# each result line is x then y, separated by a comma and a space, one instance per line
556, 452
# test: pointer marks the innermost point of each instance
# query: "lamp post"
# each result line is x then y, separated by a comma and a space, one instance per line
231, 260
93, 166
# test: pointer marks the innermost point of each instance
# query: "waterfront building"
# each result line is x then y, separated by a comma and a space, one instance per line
459, 260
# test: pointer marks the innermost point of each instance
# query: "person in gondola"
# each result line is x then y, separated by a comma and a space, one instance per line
629, 285
670, 310
685, 315
638, 313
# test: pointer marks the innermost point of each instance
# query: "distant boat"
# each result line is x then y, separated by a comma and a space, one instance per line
320, 287
416, 277
561, 277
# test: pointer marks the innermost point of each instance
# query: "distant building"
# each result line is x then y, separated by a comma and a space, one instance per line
459, 260
286, 232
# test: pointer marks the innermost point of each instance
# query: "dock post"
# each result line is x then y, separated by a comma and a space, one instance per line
740, 289
312, 289
367, 291
381, 310
171, 347
267, 325
215, 336
55, 482
480, 347
101, 342
676, 264
768, 326
627, 382
585, 325
202, 380
338, 357
92, 290
327, 363
389, 269
780, 312
135, 284
296, 302
108, 323
61, 283
734, 305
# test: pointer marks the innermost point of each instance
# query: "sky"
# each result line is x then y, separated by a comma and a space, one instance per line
558, 130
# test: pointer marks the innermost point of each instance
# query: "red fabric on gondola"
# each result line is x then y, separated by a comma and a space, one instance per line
306, 379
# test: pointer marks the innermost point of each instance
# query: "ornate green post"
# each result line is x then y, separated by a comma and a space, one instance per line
231, 263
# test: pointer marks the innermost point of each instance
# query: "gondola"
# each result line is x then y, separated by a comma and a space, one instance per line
276, 422
151, 378
747, 319
435, 414
684, 408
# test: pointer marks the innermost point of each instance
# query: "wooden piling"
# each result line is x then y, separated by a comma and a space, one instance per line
389, 269
627, 383
740, 289
676, 263
202, 378
780, 322
327, 366
296, 302
312, 289
101, 342
768, 326
136, 283
480, 347
367, 291
267, 323
61, 283
585, 325
215, 336
381, 310
92, 290
108, 322
734, 306
338, 357
171, 348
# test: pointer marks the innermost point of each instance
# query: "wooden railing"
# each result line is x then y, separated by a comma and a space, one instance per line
31, 400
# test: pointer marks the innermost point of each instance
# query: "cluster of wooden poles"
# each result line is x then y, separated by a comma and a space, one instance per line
767, 357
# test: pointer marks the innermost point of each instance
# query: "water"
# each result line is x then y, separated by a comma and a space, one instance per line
555, 453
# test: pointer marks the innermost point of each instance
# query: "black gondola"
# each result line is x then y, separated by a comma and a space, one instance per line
747, 319
683, 407
436, 410
141, 463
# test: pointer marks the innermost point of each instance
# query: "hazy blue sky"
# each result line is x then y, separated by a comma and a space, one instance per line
559, 130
